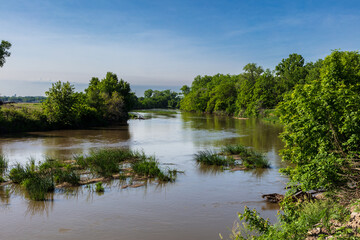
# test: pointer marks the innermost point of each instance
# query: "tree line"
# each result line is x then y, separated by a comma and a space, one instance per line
158, 99
104, 102
248, 93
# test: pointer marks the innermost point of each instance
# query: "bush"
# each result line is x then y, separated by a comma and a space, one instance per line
295, 222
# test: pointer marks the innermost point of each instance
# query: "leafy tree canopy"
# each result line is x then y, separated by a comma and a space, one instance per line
322, 124
4, 47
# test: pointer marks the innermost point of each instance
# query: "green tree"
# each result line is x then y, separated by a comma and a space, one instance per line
4, 47
322, 125
291, 71
108, 94
148, 93
59, 107
185, 90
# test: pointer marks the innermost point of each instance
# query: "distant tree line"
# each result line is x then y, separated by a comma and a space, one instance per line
158, 99
104, 102
26, 99
248, 93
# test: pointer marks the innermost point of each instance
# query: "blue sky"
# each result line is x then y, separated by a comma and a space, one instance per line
163, 43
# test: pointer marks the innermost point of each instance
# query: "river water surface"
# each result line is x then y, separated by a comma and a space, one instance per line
202, 203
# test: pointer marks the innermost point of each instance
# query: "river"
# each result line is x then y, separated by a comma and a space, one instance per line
202, 203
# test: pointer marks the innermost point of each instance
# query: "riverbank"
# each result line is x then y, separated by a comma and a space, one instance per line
30, 117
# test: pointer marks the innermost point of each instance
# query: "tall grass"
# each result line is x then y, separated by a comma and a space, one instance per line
209, 157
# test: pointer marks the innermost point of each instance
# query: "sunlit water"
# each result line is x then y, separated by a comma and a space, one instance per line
202, 203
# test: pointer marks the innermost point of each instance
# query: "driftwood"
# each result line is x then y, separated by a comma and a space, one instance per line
273, 197
298, 196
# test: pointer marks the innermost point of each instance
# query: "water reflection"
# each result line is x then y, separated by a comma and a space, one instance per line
210, 170
62, 144
250, 132
40, 208
5, 196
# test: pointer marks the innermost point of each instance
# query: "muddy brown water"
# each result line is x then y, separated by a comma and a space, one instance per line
202, 203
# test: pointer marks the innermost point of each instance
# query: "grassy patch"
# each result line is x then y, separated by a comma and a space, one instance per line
209, 157
150, 168
105, 162
249, 157
233, 155
39, 179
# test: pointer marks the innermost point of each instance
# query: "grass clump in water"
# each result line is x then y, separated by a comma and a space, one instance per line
99, 187
59, 171
209, 157
105, 162
38, 185
249, 157
150, 168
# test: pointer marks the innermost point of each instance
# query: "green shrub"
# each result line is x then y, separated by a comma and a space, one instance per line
295, 221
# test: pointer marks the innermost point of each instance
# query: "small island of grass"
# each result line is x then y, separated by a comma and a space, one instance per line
98, 166
236, 157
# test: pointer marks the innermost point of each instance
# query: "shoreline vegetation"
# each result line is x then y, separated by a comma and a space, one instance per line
134, 168
104, 102
321, 125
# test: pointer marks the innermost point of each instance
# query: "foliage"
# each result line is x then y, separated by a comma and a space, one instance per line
4, 47
105, 102
18, 119
295, 222
110, 97
158, 99
26, 99
248, 93
322, 125
60, 105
